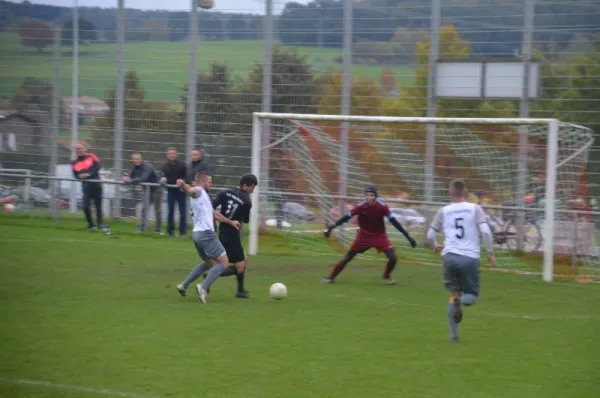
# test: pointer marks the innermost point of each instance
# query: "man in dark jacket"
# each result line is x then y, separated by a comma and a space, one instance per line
141, 172
197, 165
172, 171
86, 166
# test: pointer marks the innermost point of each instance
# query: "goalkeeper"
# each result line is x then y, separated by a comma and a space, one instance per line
371, 234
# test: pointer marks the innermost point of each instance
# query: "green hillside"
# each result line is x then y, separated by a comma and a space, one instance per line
162, 66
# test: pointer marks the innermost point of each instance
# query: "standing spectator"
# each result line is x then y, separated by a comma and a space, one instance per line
197, 165
86, 166
172, 171
142, 172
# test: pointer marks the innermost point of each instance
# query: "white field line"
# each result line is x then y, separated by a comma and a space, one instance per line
532, 317
70, 387
113, 242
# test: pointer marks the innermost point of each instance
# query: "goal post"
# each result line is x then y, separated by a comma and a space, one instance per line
305, 152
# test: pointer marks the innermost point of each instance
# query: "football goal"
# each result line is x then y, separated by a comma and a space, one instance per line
528, 174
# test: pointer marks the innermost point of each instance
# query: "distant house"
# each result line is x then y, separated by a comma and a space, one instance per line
88, 108
24, 133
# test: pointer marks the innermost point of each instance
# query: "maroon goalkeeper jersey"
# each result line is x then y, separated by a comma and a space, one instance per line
370, 217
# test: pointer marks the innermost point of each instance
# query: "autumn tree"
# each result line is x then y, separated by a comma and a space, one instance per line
35, 33
365, 97
387, 81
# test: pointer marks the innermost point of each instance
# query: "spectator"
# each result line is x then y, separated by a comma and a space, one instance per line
86, 166
172, 171
197, 165
142, 172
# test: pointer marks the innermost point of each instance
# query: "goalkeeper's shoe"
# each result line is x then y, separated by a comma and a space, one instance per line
389, 281
458, 313
181, 290
244, 294
327, 280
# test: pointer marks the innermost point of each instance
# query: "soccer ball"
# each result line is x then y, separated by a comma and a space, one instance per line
205, 4
278, 291
10, 208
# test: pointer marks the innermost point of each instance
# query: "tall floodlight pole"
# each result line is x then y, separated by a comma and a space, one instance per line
345, 108
522, 172
266, 97
55, 110
434, 50
75, 102
119, 105
190, 136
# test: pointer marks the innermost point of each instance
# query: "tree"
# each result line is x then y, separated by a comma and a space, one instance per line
365, 97
155, 31
33, 94
149, 126
387, 81
87, 32
36, 33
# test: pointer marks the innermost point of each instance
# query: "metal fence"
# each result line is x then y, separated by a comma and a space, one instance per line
125, 80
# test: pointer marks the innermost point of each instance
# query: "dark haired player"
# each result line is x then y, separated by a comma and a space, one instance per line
233, 204
461, 222
371, 234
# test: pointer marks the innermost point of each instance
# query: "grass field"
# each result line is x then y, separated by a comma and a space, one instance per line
86, 315
162, 66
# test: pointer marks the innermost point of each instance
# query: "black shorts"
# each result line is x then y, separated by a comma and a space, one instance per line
233, 246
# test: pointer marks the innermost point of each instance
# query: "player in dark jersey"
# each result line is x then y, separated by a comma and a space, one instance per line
236, 205
371, 234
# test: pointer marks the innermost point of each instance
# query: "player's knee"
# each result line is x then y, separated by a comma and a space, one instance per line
468, 300
240, 266
392, 259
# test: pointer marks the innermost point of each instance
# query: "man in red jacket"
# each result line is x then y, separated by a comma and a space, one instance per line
86, 166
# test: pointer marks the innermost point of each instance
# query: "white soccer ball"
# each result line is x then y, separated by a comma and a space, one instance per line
278, 291
205, 4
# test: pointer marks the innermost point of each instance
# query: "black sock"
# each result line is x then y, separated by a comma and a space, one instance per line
240, 281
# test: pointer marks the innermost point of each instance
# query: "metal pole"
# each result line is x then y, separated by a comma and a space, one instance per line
55, 105
75, 102
55, 121
551, 161
266, 97
345, 107
434, 50
191, 98
119, 105
529, 13
256, 166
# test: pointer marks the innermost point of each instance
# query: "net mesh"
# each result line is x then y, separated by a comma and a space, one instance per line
303, 184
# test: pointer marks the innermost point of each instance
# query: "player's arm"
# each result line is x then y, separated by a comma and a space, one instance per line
486, 232
189, 190
435, 228
339, 222
399, 227
246, 218
221, 218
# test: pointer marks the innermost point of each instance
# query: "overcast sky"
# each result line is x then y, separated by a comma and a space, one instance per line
242, 6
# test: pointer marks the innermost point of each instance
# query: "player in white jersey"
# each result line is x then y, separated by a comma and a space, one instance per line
209, 247
461, 222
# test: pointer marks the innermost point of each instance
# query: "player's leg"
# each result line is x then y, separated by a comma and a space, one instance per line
469, 281
339, 267
451, 275
389, 266
198, 269
214, 249
170, 211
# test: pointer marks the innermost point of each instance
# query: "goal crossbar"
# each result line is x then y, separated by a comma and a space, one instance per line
552, 126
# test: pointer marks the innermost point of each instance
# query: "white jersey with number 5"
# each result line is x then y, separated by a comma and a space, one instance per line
202, 211
460, 223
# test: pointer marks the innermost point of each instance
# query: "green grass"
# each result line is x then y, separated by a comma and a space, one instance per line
162, 66
81, 310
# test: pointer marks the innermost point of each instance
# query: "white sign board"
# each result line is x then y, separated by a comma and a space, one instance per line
480, 80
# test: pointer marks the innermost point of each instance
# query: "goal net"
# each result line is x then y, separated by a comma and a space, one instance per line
529, 174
